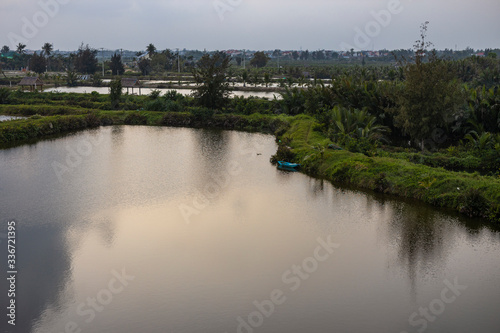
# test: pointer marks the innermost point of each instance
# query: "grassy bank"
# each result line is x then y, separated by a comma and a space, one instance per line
60, 120
301, 142
471, 194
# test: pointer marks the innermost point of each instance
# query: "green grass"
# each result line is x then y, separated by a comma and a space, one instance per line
471, 194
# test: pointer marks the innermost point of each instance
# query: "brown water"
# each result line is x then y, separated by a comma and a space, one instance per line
153, 229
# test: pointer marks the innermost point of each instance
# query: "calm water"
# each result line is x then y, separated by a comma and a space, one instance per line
147, 91
153, 229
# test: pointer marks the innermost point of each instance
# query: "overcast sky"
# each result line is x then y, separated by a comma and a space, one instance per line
249, 24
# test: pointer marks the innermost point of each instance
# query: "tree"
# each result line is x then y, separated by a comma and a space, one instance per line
47, 50
304, 55
144, 66
71, 78
212, 88
267, 78
259, 59
151, 49
430, 95
295, 55
86, 60
5, 49
244, 77
20, 48
117, 65
38, 64
239, 59
115, 92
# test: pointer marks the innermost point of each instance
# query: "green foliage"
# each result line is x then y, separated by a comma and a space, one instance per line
242, 105
356, 124
173, 95
38, 63
96, 80
471, 194
116, 65
292, 101
71, 78
202, 114
135, 118
430, 95
151, 49
115, 92
259, 59
154, 94
85, 60
212, 89
144, 66
25, 129
4, 95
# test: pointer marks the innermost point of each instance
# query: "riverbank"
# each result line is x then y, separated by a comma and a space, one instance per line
301, 142
468, 193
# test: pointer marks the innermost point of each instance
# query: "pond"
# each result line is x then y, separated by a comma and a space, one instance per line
147, 91
7, 118
156, 229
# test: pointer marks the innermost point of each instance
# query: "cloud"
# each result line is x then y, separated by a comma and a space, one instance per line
253, 24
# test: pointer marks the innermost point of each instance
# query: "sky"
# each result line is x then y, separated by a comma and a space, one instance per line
249, 24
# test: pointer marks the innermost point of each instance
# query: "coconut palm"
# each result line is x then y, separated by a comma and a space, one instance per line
20, 48
151, 49
357, 124
47, 51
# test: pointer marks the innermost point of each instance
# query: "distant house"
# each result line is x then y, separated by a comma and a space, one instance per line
480, 54
32, 82
131, 83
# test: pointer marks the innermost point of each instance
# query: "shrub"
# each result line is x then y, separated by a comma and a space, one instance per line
200, 113
4, 95
135, 118
472, 203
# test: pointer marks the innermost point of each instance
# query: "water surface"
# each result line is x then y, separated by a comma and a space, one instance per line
147, 91
204, 232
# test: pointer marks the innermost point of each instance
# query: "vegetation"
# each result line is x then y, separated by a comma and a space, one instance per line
117, 67
424, 127
38, 63
115, 93
259, 59
212, 88
85, 60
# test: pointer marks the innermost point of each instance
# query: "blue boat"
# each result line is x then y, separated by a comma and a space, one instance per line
288, 166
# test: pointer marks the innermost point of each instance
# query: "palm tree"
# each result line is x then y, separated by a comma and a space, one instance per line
151, 49
20, 48
47, 50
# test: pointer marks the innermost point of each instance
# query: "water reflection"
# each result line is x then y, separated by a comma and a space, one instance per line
119, 208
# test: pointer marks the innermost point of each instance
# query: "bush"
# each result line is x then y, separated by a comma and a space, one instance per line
92, 120
135, 118
472, 203
4, 95
200, 113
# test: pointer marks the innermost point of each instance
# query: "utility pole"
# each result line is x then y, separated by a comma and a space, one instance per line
244, 58
178, 62
102, 56
279, 53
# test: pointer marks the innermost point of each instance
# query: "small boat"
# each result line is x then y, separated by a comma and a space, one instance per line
288, 166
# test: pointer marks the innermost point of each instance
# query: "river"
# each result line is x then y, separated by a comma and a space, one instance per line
155, 229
